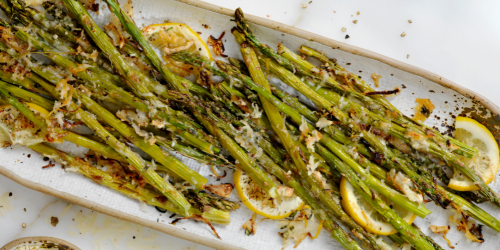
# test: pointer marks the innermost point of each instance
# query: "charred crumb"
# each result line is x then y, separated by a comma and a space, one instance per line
432, 91
10, 194
49, 165
403, 86
206, 26
46, 158
54, 221
385, 92
346, 36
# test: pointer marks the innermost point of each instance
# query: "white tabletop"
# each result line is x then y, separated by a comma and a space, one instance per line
456, 39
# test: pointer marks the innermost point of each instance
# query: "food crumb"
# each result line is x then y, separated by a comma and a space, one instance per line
250, 226
23, 225
403, 34
346, 36
344, 29
376, 79
206, 26
358, 13
304, 5
423, 109
410, 21
407, 56
54, 221
24, 209
49, 165
355, 21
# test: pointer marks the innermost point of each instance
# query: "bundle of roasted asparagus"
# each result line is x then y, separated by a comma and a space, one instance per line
60, 70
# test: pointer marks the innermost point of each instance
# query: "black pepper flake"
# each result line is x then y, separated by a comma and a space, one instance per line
133, 237
29, 155
403, 86
432, 91
348, 63
46, 158
10, 194
346, 36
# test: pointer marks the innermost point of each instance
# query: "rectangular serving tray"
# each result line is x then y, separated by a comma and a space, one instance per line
449, 98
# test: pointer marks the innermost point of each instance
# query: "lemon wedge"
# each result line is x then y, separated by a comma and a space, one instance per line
485, 163
365, 215
262, 204
175, 37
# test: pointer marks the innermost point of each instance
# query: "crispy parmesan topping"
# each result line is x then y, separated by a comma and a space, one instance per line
376, 79
444, 230
284, 191
311, 165
217, 44
15, 128
472, 231
303, 126
137, 119
405, 185
423, 109
323, 122
298, 229
250, 226
223, 190
115, 35
312, 139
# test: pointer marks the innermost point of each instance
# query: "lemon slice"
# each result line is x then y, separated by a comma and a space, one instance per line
262, 204
365, 215
175, 37
485, 163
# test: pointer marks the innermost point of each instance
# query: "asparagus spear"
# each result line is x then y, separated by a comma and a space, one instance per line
407, 232
361, 113
179, 124
138, 163
450, 158
174, 165
374, 183
144, 195
401, 119
437, 193
293, 149
133, 76
146, 48
297, 84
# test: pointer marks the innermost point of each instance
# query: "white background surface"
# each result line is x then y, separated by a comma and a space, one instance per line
455, 39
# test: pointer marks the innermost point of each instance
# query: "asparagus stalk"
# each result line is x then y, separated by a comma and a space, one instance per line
293, 148
175, 166
301, 87
362, 113
146, 48
437, 193
327, 140
138, 163
401, 119
450, 158
144, 195
132, 78
407, 232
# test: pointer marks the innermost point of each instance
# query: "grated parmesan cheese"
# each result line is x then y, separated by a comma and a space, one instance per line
323, 122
